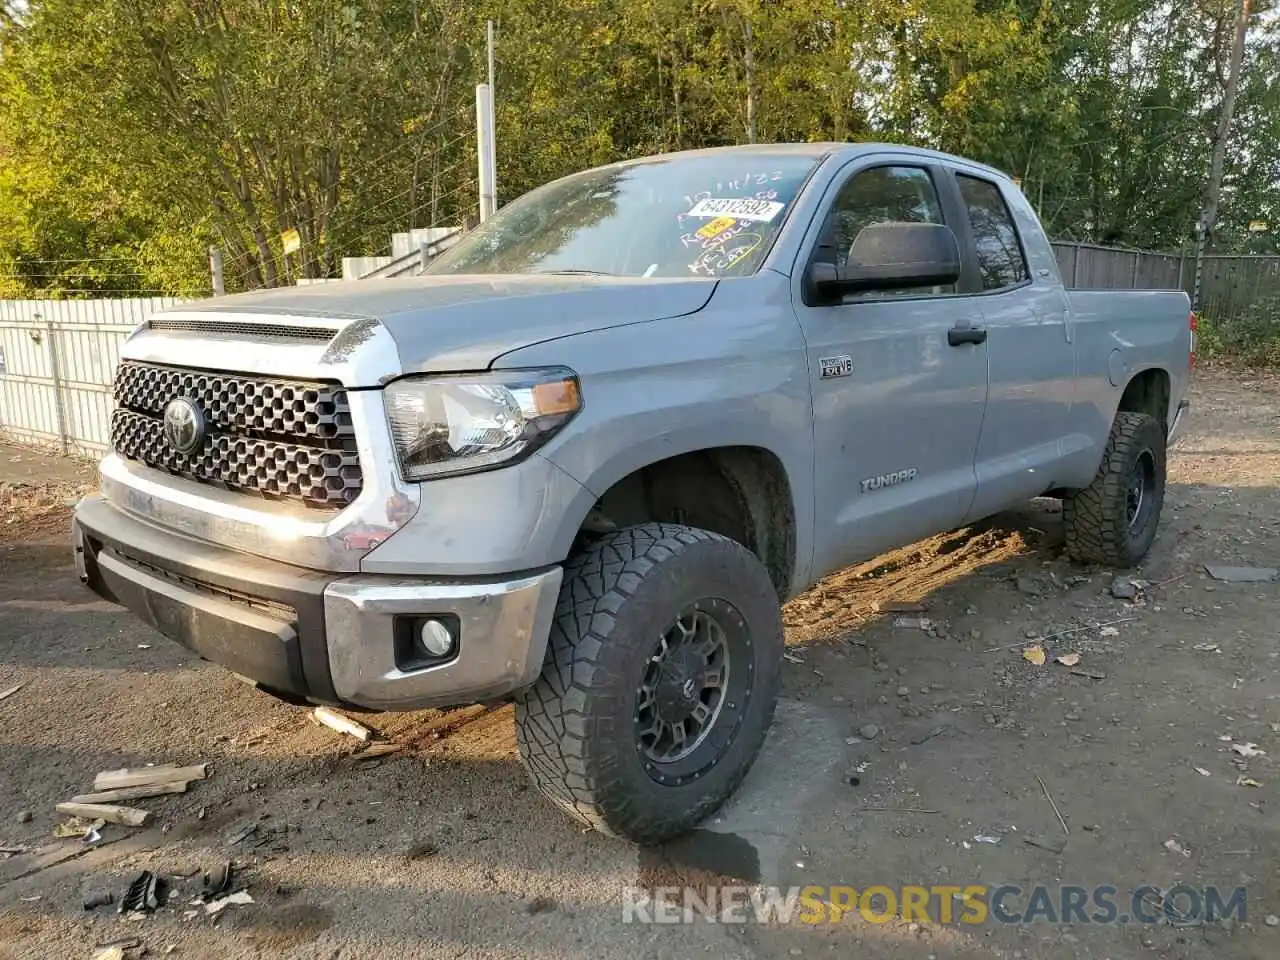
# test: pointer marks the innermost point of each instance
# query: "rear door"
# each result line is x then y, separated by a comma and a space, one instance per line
1031, 362
897, 409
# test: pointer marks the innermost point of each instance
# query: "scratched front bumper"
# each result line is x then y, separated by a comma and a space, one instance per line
316, 636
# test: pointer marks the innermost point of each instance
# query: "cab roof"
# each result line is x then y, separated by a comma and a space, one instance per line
818, 151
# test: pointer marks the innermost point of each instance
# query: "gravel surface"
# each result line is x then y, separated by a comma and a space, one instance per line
442, 849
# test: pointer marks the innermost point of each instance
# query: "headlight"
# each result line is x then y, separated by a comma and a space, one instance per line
445, 425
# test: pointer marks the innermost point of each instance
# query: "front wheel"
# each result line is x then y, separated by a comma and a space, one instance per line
660, 681
1114, 519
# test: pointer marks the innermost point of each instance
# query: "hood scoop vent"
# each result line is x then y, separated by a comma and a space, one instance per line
239, 329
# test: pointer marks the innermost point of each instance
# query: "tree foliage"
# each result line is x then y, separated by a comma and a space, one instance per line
135, 133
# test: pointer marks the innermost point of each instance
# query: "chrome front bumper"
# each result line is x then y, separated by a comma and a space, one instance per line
503, 637
320, 637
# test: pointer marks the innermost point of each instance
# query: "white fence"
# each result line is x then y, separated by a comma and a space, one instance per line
57, 363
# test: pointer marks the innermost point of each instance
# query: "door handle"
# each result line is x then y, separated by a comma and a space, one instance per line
958, 336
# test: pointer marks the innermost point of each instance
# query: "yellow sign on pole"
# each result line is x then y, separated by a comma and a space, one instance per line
292, 241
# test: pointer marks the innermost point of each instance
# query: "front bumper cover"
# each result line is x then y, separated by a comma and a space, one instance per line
315, 636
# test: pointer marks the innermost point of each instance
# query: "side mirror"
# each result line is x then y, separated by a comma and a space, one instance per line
893, 256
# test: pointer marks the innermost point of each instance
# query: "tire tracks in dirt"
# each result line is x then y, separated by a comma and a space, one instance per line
857, 595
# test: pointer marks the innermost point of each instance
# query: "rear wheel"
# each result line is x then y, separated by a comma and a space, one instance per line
660, 681
1114, 519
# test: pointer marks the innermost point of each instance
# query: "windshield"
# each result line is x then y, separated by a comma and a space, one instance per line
712, 216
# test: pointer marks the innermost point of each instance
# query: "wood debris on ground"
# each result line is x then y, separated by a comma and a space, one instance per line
90, 811
376, 750
127, 816
142, 776
133, 793
336, 721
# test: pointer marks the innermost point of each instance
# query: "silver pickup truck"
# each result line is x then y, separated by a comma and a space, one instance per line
582, 460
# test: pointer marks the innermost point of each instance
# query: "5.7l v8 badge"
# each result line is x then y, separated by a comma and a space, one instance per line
835, 367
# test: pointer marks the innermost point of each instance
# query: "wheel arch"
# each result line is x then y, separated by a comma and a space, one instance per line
1148, 391
741, 491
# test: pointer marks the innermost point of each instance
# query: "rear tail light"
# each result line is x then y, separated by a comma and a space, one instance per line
1192, 323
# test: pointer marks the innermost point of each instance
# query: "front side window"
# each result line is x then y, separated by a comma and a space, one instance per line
1000, 258
708, 216
880, 195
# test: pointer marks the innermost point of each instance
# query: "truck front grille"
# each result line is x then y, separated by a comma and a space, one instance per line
282, 439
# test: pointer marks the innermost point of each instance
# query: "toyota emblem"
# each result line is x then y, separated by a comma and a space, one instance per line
183, 425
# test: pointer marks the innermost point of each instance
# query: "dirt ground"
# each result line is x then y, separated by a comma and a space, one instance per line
443, 850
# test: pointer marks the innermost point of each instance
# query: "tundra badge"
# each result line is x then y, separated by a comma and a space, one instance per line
835, 367
888, 480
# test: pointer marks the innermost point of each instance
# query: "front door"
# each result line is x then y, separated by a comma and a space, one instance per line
897, 408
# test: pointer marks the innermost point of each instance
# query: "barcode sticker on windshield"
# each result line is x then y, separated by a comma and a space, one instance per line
739, 208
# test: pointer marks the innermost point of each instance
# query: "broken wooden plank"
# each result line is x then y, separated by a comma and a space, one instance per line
336, 721
128, 816
47, 856
67, 860
5, 694
133, 793
141, 776
899, 606
376, 750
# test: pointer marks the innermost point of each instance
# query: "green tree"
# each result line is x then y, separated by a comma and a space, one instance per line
148, 129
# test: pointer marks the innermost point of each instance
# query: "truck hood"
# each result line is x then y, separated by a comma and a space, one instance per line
459, 323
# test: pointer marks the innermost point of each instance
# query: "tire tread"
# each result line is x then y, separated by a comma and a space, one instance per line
553, 725
1094, 518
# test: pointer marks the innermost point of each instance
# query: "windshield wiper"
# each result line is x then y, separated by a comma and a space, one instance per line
585, 273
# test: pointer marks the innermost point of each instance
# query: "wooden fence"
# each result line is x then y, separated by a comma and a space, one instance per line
1086, 266
1230, 286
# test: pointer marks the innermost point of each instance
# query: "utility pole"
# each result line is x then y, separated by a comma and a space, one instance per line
493, 99
215, 270
484, 149
749, 69
489, 31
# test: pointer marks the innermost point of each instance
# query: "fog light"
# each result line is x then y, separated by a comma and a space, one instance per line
422, 642
436, 638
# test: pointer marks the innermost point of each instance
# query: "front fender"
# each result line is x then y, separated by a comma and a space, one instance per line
734, 374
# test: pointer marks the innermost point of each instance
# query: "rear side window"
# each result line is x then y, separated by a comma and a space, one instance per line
1000, 258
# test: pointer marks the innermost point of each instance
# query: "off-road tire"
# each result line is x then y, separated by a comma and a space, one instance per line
575, 726
1096, 519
